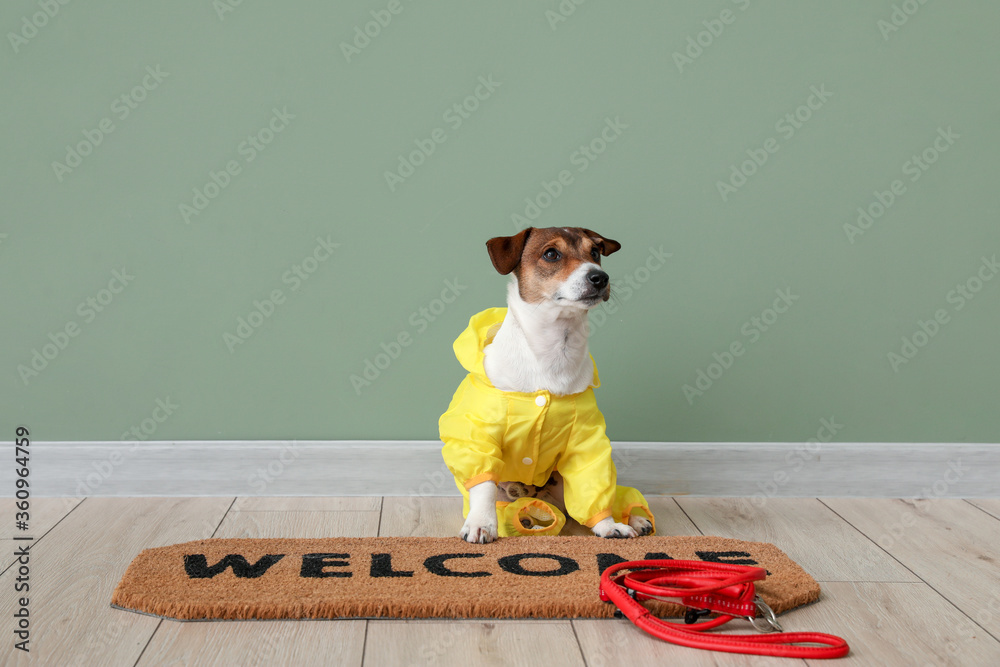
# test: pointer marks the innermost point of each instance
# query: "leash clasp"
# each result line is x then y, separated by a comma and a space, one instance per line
765, 620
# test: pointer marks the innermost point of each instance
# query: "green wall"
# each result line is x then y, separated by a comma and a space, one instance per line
287, 136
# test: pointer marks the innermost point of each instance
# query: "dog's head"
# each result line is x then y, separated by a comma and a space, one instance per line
561, 265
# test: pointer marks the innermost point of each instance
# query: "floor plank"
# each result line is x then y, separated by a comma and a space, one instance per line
419, 516
946, 542
896, 625
826, 546
950, 544
339, 642
435, 517
988, 505
308, 503
888, 624
249, 643
77, 566
442, 517
670, 517
299, 524
43, 514
466, 643
616, 642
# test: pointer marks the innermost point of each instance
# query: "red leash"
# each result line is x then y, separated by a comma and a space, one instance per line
703, 587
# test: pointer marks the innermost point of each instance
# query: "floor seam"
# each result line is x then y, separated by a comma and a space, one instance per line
681, 508
928, 584
42, 537
879, 546
579, 646
148, 641
985, 511
224, 515
364, 644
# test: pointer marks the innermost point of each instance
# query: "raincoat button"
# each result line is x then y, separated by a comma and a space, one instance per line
526, 461
540, 401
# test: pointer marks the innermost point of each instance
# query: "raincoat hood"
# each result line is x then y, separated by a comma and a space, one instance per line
471, 343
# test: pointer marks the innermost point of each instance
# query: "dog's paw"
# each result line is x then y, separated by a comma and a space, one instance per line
608, 528
515, 490
479, 530
641, 525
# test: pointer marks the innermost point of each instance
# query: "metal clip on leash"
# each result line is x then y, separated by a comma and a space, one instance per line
705, 588
765, 620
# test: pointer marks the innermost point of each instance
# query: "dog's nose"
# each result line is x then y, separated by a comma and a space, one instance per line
597, 278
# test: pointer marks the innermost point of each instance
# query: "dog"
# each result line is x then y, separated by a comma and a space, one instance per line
524, 423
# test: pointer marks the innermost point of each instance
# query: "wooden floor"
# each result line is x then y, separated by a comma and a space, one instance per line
906, 582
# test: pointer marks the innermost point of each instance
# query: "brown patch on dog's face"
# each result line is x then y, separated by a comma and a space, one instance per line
546, 260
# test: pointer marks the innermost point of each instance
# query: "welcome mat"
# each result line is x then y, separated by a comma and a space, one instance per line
421, 577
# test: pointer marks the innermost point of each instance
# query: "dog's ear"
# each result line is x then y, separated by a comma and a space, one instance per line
607, 246
505, 251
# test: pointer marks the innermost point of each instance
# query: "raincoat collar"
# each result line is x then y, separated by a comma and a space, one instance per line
483, 326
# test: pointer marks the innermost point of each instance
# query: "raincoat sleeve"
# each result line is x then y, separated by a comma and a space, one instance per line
472, 431
588, 472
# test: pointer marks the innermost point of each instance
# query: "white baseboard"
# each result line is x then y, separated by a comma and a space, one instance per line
405, 468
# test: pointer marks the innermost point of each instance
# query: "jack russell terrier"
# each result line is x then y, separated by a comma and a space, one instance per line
523, 435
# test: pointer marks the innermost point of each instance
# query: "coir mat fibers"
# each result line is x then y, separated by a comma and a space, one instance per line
421, 577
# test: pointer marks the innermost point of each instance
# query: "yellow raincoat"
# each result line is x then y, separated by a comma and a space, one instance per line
502, 436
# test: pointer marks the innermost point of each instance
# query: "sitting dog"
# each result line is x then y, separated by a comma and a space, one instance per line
525, 417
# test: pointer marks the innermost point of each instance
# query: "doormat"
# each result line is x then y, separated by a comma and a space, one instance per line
421, 577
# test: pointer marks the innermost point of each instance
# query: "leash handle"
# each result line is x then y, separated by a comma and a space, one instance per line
723, 588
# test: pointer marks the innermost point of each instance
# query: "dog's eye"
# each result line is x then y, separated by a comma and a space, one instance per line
595, 254
551, 254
